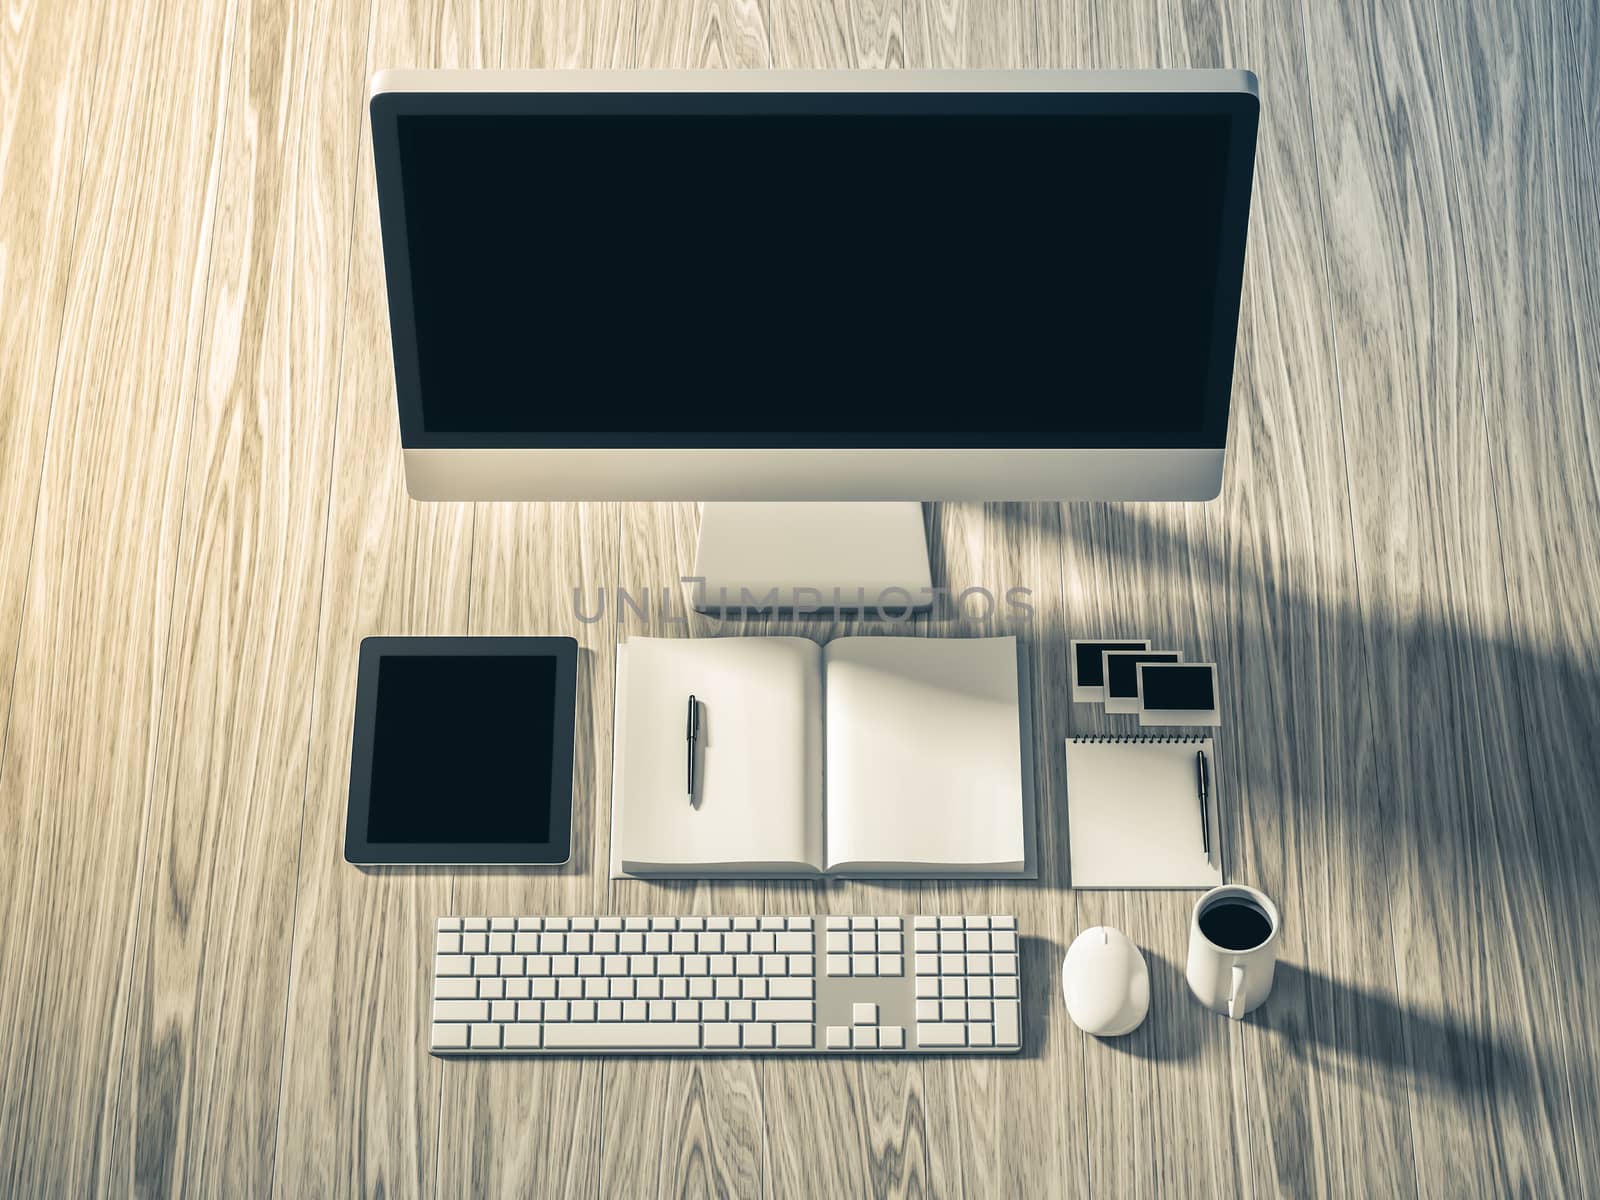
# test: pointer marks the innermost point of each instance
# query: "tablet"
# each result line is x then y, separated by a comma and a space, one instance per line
462, 751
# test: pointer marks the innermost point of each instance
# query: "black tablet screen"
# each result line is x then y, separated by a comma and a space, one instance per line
461, 751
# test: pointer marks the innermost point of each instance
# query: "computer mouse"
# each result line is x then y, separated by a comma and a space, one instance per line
1106, 982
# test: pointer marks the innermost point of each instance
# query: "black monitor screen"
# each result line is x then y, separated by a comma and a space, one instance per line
820, 278
461, 750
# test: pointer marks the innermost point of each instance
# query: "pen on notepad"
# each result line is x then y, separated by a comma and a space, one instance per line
1200, 780
690, 734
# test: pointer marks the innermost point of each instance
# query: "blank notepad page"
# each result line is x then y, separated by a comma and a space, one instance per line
1133, 813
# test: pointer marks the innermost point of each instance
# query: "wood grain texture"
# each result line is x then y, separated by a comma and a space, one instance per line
48, 60
1446, 730
202, 512
90, 661
359, 1100
198, 1107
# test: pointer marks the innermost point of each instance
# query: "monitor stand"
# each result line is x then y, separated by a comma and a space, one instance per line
811, 557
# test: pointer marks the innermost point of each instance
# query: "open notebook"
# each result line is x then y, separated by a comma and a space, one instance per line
870, 757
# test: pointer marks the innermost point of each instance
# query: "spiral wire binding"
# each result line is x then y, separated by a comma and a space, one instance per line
1138, 739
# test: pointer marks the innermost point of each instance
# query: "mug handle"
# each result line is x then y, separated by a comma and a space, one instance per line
1234, 993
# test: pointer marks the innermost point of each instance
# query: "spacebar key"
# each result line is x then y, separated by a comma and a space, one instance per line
622, 1035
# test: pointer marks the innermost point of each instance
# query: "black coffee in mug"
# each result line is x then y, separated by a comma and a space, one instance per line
1235, 923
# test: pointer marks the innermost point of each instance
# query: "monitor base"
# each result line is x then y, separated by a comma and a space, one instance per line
810, 557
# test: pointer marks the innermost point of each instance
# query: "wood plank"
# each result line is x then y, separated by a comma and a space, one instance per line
359, 1094
689, 1125
1488, 1075
1521, 83
969, 33
1323, 1112
92, 648
1001, 567
533, 1126
47, 69
205, 1028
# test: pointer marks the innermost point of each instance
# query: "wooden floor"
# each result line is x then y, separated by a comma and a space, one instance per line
202, 511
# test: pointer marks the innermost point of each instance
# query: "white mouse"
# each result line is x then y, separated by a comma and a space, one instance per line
1106, 982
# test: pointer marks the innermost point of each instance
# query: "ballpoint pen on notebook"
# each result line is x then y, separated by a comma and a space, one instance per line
690, 734
1201, 780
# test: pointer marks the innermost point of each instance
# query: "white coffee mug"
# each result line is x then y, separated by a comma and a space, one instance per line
1232, 978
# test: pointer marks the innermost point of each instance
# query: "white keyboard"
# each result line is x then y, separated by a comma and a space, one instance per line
726, 985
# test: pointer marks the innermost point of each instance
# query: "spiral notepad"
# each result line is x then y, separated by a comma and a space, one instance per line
1133, 813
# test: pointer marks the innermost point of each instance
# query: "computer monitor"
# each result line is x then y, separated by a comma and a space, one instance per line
813, 286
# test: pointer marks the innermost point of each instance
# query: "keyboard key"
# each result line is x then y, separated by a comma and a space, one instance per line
956, 987
758, 1034
503, 1010
686, 1010
977, 964
615, 964
926, 941
491, 989
700, 987
449, 1037
635, 1010
763, 943
474, 943
927, 1010
890, 964
838, 1037
794, 943
862, 942
753, 989
529, 1010
611, 923
980, 1010
773, 922
460, 1010
522, 1037
714, 1010
838, 942
953, 1010
570, 988
603, 943
952, 964
951, 922
675, 988
668, 923
783, 1010
529, 923
452, 964
927, 985
952, 941
741, 1010
500, 943
838, 964
552, 943
1007, 1023
736, 943
727, 988
1004, 942
648, 988
447, 924
801, 923
1002, 922
863, 922
863, 964
475, 924
542, 989
801, 964
796, 1035
863, 1014
774, 964
563, 964
925, 922
657, 943
447, 943
980, 1033
864, 1038
582, 1010
596, 988
744, 922
708, 943
630, 1035
486, 964
892, 1037
683, 943
978, 941
721, 1034
941, 1035
484, 1037
1004, 964
445, 988
927, 964
525, 943
888, 943
790, 989
661, 1010
555, 1010
838, 922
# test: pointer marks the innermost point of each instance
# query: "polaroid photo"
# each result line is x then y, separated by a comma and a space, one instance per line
1088, 684
1119, 669
1178, 694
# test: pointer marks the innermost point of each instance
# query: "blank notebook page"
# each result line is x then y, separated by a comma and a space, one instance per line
1133, 813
